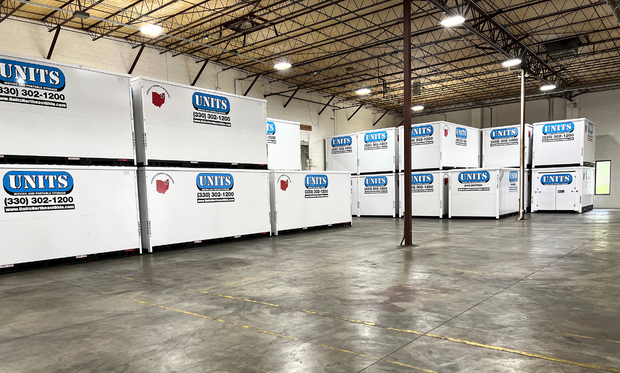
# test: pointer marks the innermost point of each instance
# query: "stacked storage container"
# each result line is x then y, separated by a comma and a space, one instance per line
68, 162
435, 148
371, 157
378, 179
564, 156
501, 148
301, 199
491, 192
202, 163
283, 145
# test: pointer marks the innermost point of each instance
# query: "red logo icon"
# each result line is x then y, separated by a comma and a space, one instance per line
158, 98
162, 186
446, 130
284, 182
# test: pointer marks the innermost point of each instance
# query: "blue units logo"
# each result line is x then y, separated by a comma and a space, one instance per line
419, 131
375, 181
504, 133
422, 179
513, 176
566, 127
375, 136
474, 177
30, 75
556, 179
271, 128
205, 102
316, 181
19, 183
590, 128
461, 132
214, 181
342, 141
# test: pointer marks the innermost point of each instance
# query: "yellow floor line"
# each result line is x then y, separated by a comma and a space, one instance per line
598, 339
530, 354
111, 275
272, 333
485, 273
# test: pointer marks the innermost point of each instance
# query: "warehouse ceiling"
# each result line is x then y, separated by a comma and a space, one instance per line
339, 46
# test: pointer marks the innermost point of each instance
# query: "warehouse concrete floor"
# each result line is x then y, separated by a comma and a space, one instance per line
475, 296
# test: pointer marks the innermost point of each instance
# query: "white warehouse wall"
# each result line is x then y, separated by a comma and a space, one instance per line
33, 40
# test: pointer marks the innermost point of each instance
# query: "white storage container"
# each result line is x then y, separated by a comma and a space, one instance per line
301, 199
355, 196
55, 212
283, 145
429, 193
176, 122
51, 109
484, 192
378, 195
192, 204
341, 153
441, 145
570, 142
501, 146
378, 150
563, 189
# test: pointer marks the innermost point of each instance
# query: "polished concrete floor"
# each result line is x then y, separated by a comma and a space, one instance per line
541, 295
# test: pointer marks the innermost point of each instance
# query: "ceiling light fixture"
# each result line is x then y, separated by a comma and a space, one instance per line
81, 14
511, 62
282, 66
363, 91
548, 87
453, 21
417, 108
151, 30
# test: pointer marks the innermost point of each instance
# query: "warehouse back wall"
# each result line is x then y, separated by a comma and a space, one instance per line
29, 39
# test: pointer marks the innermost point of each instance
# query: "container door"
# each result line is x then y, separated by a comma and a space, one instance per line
565, 197
544, 196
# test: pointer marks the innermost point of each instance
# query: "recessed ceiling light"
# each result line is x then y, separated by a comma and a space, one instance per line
282, 66
417, 108
363, 91
453, 21
151, 30
548, 87
512, 62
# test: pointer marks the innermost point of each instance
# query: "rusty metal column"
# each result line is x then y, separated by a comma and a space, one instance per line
407, 113
522, 151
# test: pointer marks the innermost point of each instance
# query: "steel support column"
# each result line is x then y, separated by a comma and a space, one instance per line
522, 151
407, 113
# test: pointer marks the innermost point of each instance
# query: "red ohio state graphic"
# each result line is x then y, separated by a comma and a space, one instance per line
283, 184
162, 186
158, 98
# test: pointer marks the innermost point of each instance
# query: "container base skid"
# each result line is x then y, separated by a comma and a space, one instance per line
197, 164
515, 213
314, 228
583, 209
38, 160
69, 260
206, 242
